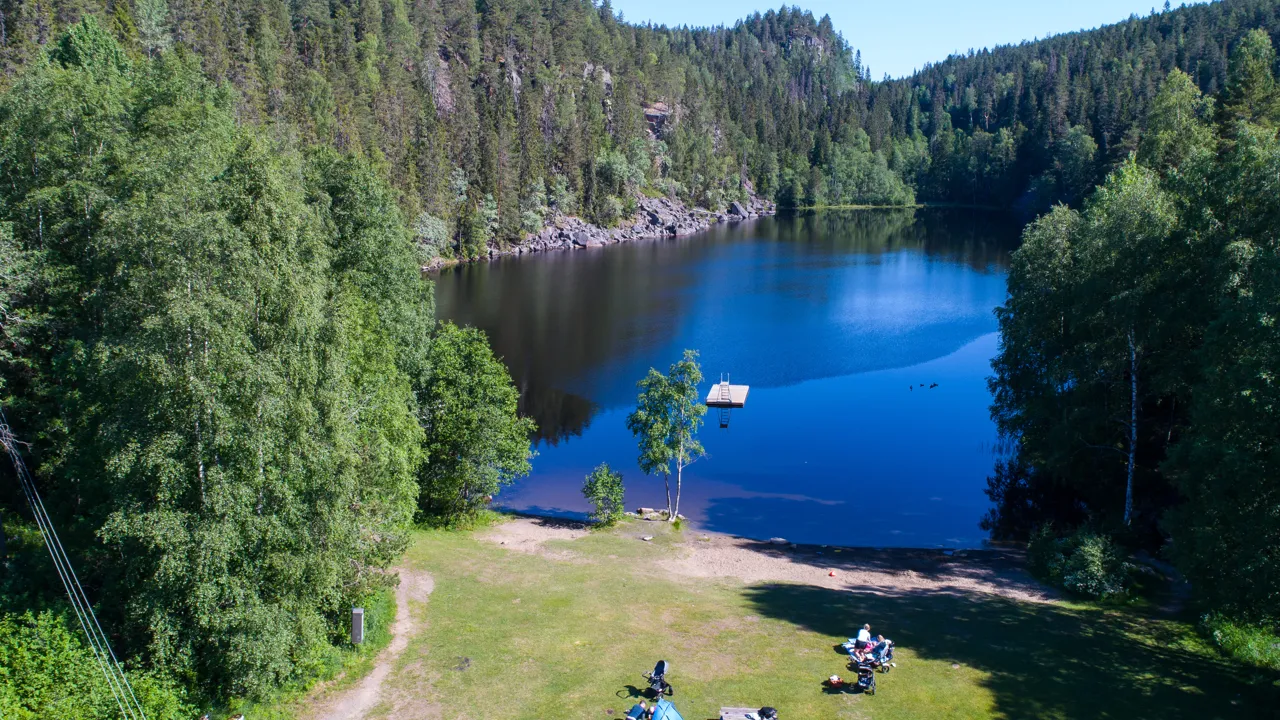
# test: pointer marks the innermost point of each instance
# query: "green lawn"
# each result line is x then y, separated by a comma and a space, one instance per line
568, 634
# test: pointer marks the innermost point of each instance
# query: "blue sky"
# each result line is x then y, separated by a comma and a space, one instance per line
899, 36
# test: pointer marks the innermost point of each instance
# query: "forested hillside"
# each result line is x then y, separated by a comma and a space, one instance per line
487, 117
1040, 122
218, 351
1138, 369
490, 118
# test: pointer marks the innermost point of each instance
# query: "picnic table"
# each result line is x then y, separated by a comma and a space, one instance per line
738, 713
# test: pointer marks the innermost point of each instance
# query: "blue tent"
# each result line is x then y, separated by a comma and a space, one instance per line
664, 710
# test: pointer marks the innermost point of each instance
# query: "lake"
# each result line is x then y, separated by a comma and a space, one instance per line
865, 336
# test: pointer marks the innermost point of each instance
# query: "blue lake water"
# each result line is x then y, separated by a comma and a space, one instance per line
839, 321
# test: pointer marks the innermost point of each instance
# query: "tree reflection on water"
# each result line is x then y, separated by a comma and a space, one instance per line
570, 324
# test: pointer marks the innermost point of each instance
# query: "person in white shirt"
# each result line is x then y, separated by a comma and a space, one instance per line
864, 637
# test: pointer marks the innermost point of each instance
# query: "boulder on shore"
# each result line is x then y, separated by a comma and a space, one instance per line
584, 238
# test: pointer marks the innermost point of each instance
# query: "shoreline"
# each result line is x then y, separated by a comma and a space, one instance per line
661, 219
655, 219
989, 546
915, 206
703, 555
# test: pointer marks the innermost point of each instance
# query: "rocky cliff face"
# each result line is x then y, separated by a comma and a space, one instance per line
656, 218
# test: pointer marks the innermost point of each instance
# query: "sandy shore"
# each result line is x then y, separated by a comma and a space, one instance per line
998, 571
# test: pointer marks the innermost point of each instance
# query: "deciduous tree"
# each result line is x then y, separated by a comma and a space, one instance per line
666, 421
476, 441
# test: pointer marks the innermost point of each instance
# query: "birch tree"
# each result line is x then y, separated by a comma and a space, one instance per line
1126, 231
665, 424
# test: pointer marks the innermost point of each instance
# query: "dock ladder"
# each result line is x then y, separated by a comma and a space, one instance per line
725, 397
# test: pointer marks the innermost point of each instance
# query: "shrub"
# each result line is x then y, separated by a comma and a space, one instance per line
1084, 562
616, 174
1043, 553
49, 673
1251, 644
561, 196
610, 211
666, 187
603, 489
533, 207
531, 221
432, 234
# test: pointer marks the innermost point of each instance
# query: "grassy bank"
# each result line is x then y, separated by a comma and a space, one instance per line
566, 631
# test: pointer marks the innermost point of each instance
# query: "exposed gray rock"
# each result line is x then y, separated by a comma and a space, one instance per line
655, 218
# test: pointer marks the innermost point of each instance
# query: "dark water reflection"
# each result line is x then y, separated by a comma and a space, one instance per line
829, 317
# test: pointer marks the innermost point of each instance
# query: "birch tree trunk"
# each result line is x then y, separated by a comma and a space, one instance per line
674, 513
666, 481
1133, 427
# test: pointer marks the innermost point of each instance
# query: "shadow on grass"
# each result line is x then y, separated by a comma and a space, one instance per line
1041, 660
997, 565
848, 688
631, 691
553, 517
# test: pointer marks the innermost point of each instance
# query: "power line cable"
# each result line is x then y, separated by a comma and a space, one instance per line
110, 666
62, 566
41, 518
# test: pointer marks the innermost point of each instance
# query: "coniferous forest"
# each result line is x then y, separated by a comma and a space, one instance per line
221, 362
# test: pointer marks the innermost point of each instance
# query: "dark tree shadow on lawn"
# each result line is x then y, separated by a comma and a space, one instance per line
1001, 565
1042, 660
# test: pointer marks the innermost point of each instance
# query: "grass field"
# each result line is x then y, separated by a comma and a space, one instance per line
567, 632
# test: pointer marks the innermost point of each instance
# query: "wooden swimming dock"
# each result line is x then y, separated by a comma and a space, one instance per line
724, 395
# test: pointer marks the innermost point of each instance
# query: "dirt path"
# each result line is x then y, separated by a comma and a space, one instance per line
356, 702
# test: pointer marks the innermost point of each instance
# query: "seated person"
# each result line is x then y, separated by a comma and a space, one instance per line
639, 712
882, 650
